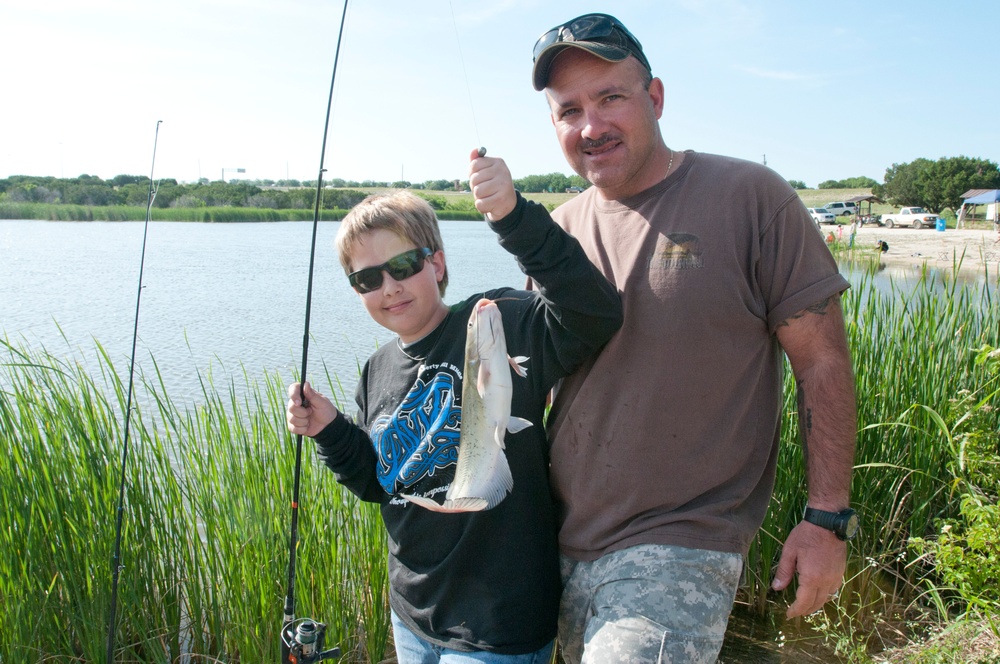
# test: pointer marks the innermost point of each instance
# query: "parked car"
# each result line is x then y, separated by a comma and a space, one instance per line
842, 209
914, 217
574, 190
822, 216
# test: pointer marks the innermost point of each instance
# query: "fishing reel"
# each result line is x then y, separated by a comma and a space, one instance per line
302, 643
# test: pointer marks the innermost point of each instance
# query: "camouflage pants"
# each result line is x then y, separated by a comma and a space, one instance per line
648, 603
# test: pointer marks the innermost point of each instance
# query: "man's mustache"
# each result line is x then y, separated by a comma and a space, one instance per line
591, 144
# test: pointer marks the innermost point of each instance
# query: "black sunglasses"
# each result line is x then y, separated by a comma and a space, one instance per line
584, 28
399, 267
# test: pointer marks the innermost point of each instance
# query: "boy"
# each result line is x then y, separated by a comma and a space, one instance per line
471, 586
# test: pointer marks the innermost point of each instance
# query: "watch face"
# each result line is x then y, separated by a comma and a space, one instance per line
851, 525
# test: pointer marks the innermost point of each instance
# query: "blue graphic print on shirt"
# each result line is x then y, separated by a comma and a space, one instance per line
420, 437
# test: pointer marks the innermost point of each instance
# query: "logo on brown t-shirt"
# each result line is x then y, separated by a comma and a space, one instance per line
677, 251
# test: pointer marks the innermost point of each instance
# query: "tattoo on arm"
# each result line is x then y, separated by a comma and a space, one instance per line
819, 308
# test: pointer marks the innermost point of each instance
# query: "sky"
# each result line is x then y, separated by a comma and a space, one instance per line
818, 90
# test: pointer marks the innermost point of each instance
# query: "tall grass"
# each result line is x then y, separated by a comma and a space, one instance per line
914, 351
208, 490
206, 521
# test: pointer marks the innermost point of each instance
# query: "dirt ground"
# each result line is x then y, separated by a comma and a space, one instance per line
911, 247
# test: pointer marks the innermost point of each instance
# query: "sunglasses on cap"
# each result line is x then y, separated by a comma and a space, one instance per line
400, 267
589, 27
598, 34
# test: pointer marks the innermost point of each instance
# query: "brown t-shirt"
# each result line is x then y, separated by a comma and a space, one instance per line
670, 434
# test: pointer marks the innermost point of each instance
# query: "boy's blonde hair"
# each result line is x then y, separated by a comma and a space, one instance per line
403, 213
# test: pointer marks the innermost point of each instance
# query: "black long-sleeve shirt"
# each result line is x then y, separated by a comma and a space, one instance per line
476, 580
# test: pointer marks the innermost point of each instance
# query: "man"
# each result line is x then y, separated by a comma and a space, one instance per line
665, 445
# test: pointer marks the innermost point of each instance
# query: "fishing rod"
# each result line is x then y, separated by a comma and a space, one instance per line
116, 557
303, 642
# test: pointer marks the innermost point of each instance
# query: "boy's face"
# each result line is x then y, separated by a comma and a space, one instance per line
411, 308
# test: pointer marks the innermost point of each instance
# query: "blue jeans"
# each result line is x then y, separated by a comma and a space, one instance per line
411, 649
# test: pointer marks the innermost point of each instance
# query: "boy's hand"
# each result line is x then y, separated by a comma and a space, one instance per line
492, 186
308, 420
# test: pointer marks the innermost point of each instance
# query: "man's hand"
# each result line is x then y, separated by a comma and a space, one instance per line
492, 186
309, 419
819, 559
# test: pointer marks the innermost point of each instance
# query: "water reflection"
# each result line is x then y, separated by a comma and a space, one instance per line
888, 277
770, 639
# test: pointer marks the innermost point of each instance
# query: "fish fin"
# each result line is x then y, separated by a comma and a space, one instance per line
423, 502
449, 506
515, 364
515, 424
465, 505
482, 379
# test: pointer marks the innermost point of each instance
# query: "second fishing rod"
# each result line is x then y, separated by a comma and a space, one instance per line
302, 641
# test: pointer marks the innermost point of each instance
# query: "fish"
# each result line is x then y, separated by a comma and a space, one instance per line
482, 474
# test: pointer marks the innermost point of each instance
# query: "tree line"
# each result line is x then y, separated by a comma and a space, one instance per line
934, 185
133, 190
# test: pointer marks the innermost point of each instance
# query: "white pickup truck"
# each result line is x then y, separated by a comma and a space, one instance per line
914, 217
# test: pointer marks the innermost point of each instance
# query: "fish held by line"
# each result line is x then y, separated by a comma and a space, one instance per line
482, 475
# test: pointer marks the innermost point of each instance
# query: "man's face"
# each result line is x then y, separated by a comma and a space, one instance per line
607, 121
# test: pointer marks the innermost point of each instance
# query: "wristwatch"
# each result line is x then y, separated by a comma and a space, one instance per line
844, 523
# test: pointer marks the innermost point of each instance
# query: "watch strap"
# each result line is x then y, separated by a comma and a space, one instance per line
822, 518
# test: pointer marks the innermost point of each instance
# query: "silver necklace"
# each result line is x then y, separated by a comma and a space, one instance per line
399, 345
669, 164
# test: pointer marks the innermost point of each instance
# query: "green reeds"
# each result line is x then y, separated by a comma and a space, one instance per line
208, 489
206, 523
914, 348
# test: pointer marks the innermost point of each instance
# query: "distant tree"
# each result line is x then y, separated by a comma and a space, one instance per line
400, 184
29, 192
949, 178
860, 182
263, 200
122, 180
937, 185
135, 193
343, 199
436, 202
91, 194
797, 184
904, 183
553, 182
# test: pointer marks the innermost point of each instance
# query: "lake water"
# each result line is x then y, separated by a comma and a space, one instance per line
219, 297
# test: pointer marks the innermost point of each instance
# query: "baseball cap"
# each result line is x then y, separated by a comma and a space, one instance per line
599, 34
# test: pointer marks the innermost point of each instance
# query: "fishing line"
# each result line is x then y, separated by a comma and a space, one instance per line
304, 644
115, 559
468, 88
